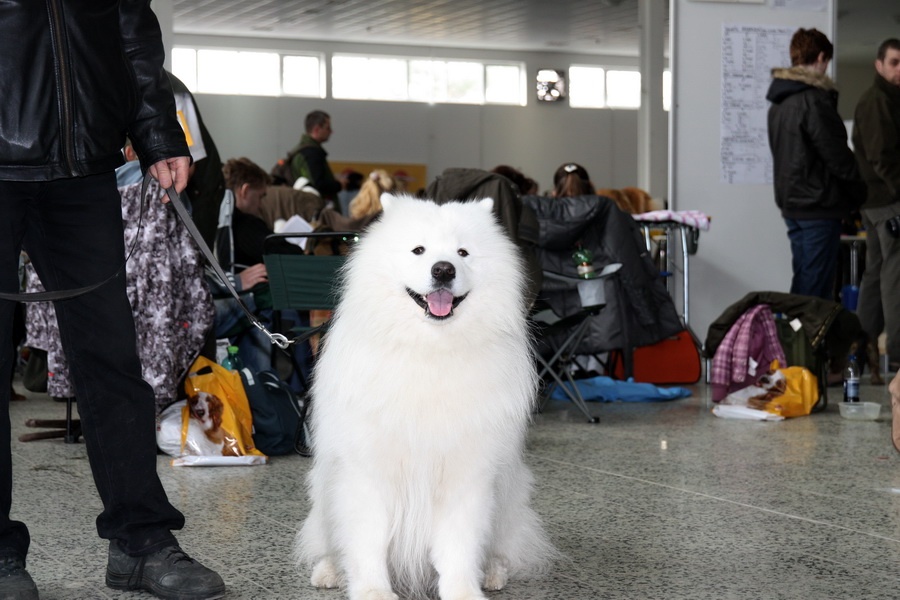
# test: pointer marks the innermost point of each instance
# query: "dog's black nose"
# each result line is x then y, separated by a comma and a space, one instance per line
443, 271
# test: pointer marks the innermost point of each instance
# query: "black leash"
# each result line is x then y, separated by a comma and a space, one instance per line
277, 339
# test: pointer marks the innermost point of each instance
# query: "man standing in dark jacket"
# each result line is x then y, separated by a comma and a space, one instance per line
77, 78
876, 141
310, 159
817, 182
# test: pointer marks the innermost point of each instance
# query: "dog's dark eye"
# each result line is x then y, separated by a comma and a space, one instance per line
463, 252
418, 250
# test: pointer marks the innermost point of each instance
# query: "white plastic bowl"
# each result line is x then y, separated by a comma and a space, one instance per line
860, 411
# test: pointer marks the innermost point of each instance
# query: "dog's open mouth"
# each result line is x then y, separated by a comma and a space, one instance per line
438, 304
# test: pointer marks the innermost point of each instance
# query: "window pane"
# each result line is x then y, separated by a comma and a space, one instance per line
428, 80
503, 85
232, 72
465, 82
356, 77
623, 89
301, 76
184, 66
587, 87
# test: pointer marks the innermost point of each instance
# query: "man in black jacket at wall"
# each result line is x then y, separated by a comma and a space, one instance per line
817, 182
77, 77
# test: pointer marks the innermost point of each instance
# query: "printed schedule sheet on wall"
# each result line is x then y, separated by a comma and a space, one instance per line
749, 53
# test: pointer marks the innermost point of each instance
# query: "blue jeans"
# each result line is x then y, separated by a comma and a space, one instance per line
72, 231
815, 247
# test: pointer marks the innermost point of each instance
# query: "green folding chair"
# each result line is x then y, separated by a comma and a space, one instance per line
303, 282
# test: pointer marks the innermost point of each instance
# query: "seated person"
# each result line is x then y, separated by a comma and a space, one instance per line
282, 202
351, 181
246, 184
570, 180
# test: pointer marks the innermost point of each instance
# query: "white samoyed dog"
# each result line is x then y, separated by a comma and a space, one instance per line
422, 395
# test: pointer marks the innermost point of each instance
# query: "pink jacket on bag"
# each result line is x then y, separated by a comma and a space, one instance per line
746, 352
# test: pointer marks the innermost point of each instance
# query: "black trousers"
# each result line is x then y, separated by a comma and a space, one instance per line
72, 231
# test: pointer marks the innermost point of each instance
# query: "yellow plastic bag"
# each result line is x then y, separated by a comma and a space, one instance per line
216, 420
800, 394
789, 392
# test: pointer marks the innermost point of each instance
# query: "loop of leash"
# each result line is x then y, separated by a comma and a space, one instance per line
276, 339
52, 296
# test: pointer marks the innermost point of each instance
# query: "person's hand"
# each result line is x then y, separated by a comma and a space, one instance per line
253, 275
172, 172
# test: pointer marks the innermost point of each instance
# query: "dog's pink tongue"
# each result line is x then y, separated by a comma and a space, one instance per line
440, 303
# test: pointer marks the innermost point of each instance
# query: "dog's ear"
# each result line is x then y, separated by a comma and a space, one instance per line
487, 204
389, 201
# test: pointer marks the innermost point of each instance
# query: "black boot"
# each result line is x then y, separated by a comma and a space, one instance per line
15, 582
168, 573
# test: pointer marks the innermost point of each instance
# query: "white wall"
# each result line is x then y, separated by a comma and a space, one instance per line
536, 138
746, 248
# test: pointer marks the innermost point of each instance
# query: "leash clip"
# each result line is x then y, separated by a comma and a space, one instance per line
278, 339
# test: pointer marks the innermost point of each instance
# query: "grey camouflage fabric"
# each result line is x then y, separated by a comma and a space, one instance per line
173, 309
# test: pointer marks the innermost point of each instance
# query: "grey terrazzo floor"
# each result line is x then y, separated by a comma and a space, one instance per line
805, 508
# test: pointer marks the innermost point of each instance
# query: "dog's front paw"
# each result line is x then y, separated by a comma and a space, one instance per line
325, 574
496, 575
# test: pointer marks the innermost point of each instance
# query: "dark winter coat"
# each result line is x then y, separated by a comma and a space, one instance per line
815, 173
70, 96
876, 141
641, 312
826, 324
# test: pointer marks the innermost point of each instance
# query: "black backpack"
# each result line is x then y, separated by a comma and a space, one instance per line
283, 173
279, 414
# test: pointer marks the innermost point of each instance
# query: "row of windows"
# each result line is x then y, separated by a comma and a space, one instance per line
355, 77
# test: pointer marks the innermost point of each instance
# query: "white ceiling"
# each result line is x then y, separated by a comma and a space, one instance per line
576, 26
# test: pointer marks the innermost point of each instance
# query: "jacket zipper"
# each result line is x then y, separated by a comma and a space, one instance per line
67, 128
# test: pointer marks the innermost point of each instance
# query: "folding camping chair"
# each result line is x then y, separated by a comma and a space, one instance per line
562, 335
303, 282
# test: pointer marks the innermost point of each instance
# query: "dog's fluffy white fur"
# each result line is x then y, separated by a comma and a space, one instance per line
419, 415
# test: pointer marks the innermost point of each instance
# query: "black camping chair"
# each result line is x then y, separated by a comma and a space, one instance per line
560, 336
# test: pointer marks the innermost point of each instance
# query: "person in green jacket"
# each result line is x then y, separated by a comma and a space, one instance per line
309, 158
876, 142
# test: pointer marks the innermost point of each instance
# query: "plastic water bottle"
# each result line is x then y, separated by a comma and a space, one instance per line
851, 380
232, 361
584, 262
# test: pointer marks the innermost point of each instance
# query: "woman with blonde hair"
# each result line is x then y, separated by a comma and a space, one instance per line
368, 200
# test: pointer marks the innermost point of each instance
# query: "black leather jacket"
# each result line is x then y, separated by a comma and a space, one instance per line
815, 173
71, 89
